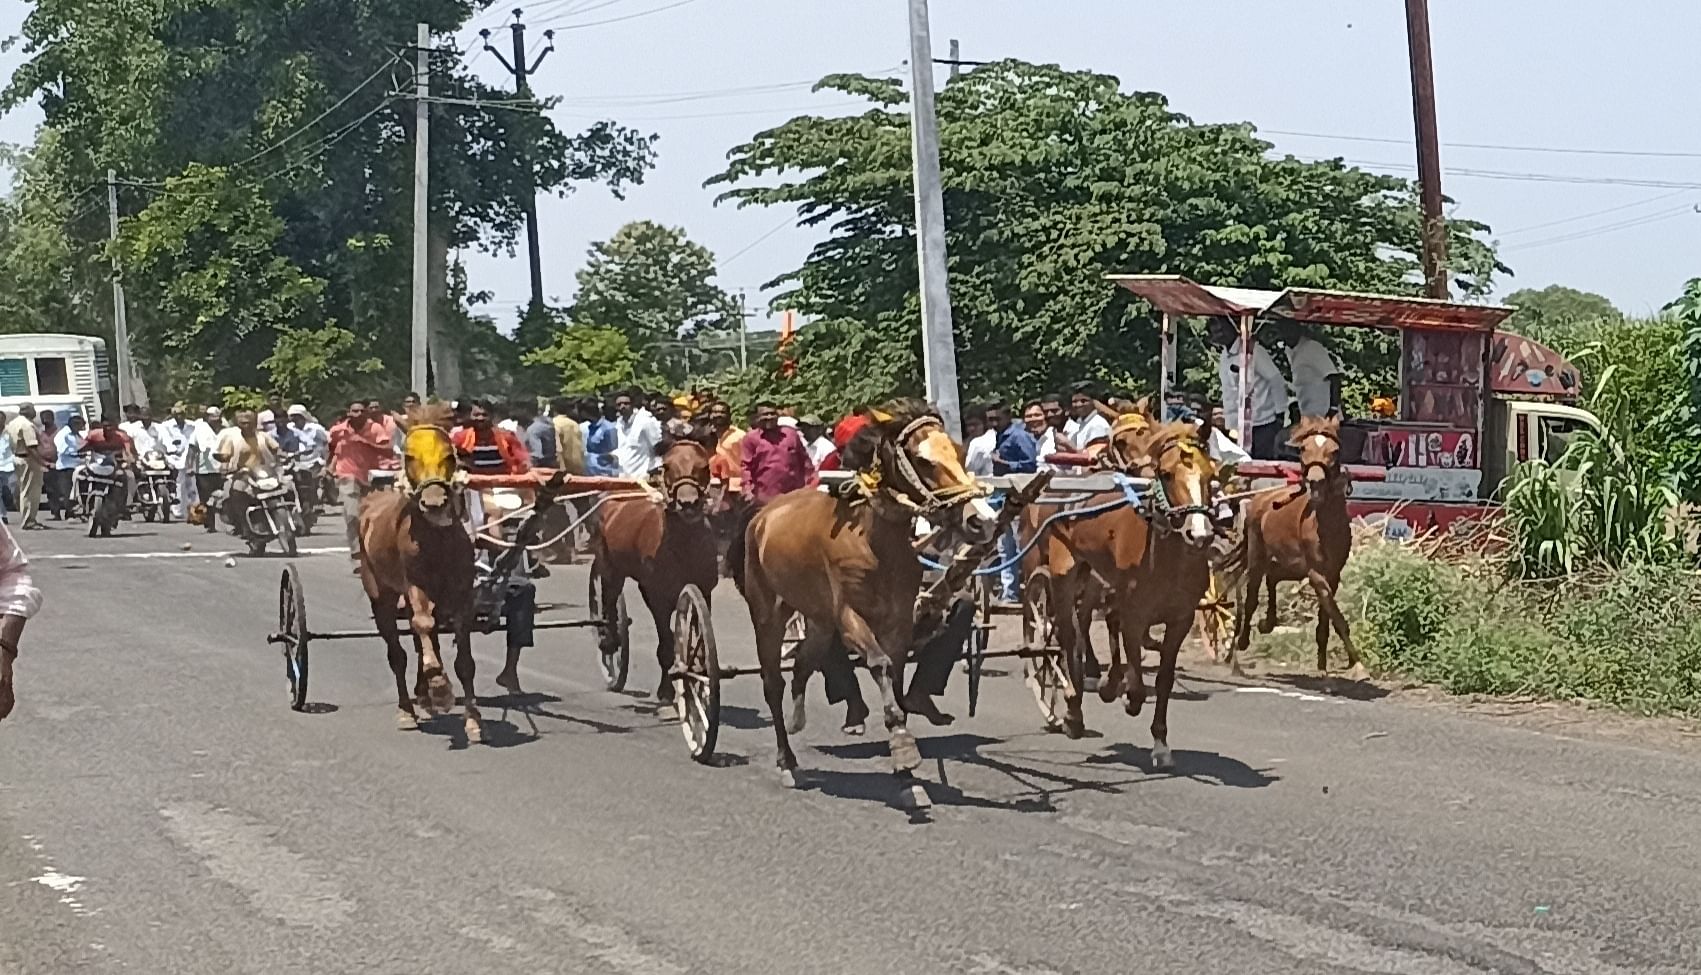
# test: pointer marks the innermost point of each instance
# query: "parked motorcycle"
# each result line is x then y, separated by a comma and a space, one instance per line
156, 487
98, 487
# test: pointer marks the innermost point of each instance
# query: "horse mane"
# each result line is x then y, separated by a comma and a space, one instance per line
434, 414
1309, 426
1164, 434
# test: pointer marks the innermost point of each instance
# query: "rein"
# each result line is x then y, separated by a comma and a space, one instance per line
913, 486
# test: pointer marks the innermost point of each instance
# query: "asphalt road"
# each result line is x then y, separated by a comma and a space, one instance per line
161, 810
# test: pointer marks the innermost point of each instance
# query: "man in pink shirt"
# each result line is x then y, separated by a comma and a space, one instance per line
359, 446
776, 460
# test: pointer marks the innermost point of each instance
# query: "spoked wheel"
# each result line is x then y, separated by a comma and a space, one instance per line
697, 686
286, 536
1043, 667
1216, 618
292, 633
796, 629
615, 661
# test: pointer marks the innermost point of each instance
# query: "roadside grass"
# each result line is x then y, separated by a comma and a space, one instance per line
1627, 638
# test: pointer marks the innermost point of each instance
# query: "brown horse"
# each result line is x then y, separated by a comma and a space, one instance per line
846, 563
1154, 560
1303, 535
415, 552
664, 546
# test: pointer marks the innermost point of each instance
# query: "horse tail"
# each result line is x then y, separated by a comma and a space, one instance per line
736, 546
1232, 565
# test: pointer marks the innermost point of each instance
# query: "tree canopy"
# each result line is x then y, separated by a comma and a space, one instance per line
1556, 304
1053, 179
265, 152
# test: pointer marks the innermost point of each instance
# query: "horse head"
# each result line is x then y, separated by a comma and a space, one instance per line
1181, 471
429, 465
921, 468
1126, 447
686, 452
1318, 440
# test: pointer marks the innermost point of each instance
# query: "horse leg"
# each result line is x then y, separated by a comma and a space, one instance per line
661, 612
465, 669
887, 665
1174, 632
424, 622
384, 615
1267, 625
613, 583
768, 619
1243, 613
1066, 599
1329, 613
1132, 641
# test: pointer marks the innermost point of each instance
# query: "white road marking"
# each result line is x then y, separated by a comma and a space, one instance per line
605, 942
277, 881
61, 883
1128, 834
68, 557
1292, 695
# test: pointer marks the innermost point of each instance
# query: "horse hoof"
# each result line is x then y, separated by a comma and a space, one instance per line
442, 696
1111, 689
856, 730
1266, 627
913, 797
788, 778
1089, 685
664, 691
1074, 727
406, 721
475, 733
509, 682
1133, 706
1358, 673
905, 754
1162, 760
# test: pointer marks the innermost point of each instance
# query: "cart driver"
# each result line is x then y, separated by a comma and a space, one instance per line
1269, 390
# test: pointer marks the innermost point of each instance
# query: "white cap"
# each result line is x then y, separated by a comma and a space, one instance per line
265, 417
214, 411
296, 409
788, 421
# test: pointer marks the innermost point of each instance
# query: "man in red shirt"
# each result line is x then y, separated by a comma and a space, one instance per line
776, 460
108, 439
359, 446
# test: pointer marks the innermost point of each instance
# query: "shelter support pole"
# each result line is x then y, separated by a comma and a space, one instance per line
1166, 358
1248, 382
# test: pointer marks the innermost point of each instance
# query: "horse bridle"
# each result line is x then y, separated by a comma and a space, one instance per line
670, 490
1329, 475
1163, 513
448, 484
915, 493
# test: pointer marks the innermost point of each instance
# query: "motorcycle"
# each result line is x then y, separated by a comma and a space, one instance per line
274, 513
307, 472
98, 487
156, 487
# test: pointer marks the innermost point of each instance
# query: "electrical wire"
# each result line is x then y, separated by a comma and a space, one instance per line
747, 248
1497, 147
1593, 213
1610, 228
562, 24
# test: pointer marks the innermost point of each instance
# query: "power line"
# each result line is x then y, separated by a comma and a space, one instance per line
1610, 228
1658, 184
322, 115
565, 25
667, 98
747, 248
1498, 147
731, 114
1593, 213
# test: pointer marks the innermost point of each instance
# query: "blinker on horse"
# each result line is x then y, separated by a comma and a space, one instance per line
416, 554
845, 563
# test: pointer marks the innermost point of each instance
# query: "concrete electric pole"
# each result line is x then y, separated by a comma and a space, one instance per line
938, 348
120, 325
418, 374
1428, 150
521, 70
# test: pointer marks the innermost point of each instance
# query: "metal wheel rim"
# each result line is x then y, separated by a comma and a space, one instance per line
695, 689
292, 624
1043, 671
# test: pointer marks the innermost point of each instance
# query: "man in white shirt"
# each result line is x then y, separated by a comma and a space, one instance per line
638, 436
139, 426
982, 442
172, 438
312, 440
203, 459
1316, 375
815, 437
1086, 424
1269, 390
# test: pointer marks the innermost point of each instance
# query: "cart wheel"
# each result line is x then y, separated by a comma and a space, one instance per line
797, 628
617, 662
1216, 618
698, 684
974, 657
292, 633
1043, 667
149, 512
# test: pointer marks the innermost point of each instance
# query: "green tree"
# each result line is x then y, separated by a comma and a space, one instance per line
656, 287
1555, 305
302, 106
320, 366
1053, 179
589, 358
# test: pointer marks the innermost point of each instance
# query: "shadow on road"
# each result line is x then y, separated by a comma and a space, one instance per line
1357, 690
530, 705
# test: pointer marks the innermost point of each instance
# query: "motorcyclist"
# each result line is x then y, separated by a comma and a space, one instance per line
108, 439
242, 452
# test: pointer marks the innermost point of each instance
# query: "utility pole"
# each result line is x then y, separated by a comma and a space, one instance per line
743, 334
1428, 149
417, 358
956, 58
938, 348
528, 201
120, 326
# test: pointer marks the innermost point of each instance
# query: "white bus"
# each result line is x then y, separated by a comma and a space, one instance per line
63, 373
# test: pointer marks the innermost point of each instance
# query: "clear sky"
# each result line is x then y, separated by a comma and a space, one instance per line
1534, 74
